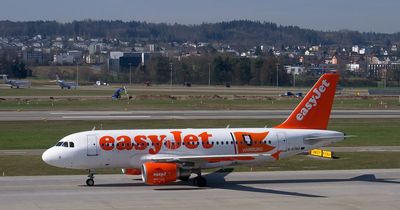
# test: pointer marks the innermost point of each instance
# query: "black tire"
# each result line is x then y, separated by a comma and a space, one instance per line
89, 182
200, 181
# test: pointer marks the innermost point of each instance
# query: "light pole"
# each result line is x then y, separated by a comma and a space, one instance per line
277, 75
209, 74
130, 74
170, 65
77, 73
294, 78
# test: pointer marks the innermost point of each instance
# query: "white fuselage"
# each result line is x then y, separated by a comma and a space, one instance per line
132, 148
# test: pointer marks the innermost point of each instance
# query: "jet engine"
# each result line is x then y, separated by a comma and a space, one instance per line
162, 173
131, 171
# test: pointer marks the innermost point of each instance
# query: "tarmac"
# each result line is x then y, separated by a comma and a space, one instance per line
341, 189
184, 114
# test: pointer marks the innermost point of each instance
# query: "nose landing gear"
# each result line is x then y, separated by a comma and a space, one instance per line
90, 180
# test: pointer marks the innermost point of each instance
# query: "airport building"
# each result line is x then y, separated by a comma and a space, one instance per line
33, 56
123, 61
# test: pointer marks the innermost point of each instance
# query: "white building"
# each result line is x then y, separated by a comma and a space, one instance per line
355, 49
294, 69
63, 58
353, 67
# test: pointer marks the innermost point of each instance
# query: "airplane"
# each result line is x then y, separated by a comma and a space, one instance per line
16, 83
64, 84
162, 156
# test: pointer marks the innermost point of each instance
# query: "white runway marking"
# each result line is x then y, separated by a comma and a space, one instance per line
103, 117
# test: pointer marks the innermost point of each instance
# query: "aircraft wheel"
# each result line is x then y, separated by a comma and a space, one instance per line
200, 181
89, 182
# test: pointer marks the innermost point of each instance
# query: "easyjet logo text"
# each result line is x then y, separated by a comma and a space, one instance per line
313, 101
155, 142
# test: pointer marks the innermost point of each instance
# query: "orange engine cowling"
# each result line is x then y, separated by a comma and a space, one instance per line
159, 173
131, 171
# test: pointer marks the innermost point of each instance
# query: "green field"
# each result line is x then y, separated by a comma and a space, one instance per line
143, 102
33, 165
43, 134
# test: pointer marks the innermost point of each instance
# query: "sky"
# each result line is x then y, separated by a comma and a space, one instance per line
361, 15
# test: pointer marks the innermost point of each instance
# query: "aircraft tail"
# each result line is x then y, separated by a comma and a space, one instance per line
57, 77
314, 110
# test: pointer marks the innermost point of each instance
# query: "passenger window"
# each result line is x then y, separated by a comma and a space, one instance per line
71, 144
59, 143
65, 144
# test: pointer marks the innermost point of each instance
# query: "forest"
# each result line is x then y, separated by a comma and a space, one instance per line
237, 33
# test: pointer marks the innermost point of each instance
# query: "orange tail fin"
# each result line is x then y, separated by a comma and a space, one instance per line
314, 110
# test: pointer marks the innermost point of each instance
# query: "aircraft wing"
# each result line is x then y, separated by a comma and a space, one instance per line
205, 158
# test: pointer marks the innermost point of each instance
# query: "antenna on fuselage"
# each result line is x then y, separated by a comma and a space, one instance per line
94, 128
228, 126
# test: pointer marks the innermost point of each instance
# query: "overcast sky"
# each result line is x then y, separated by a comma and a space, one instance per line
361, 15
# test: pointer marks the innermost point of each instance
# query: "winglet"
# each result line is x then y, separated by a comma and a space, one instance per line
314, 110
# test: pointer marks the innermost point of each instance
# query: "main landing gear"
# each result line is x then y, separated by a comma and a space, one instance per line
90, 180
199, 180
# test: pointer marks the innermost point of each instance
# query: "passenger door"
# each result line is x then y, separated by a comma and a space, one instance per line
282, 141
92, 145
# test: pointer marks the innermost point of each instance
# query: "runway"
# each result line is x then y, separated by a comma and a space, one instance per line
187, 114
350, 189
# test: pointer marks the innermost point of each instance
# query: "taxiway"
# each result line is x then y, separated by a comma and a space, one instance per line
349, 189
185, 114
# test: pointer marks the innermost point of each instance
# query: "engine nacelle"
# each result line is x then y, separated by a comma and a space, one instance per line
159, 173
131, 171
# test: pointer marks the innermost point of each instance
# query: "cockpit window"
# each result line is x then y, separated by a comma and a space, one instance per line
65, 144
59, 143
71, 144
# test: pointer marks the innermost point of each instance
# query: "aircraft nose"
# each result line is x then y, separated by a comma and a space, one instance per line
49, 157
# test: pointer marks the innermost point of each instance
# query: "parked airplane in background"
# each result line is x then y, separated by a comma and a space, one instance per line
64, 84
16, 83
164, 155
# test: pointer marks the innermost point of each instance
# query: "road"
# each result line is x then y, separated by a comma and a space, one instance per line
190, 114
350, 189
